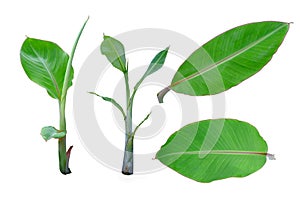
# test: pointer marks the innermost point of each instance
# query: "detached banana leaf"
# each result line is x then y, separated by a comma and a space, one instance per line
228, 59
211, 150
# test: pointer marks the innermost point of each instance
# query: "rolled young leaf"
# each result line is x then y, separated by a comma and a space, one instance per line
235, 150
45, 63
50, 132
114, 52
228, 59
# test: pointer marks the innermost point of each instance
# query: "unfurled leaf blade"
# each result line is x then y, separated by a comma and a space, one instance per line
114, 52
156, 63
45, 63
214, 149
111, 100
50, 132
229, 59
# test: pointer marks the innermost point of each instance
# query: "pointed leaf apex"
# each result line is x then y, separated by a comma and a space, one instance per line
105, 36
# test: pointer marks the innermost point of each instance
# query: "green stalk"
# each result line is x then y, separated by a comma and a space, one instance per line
127, 167
64, 156
63, 159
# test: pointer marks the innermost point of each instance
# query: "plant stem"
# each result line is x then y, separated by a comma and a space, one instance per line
127, 88
62, 153
127, 167
63, 159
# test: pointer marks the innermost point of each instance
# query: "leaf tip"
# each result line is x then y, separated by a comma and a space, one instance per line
87, 19
90, 92
105, 36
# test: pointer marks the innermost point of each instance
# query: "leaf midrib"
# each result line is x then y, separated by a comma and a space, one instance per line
217, 152
220, 62
48, 70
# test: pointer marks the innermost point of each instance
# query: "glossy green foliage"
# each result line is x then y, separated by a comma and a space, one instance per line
228, 59
45, 63
215, 149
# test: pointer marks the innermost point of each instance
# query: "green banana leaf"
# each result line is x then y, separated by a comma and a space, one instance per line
211, 150
115, 52
45, 63
228, 59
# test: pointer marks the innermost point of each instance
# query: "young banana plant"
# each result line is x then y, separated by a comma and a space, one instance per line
115, 53
46, 64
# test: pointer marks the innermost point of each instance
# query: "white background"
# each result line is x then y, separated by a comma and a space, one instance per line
269, 100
